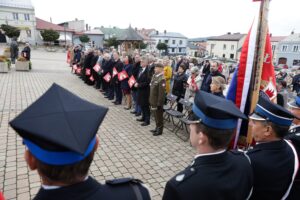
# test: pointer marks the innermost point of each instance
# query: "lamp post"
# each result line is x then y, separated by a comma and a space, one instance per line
65, 27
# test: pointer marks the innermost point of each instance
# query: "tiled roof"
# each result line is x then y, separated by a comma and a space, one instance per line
228, 37
292, 38
17, 3
94, 32
277, 38
116, 32
130, 35
198, 39
168, 34
43, 25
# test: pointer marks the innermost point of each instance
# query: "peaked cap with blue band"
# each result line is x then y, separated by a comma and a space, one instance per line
216, 112
59, 128
267, 110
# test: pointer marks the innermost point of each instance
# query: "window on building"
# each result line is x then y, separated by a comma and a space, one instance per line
26, 17
179, 50
223, 56
224, 47
232, 56
159, 41
232, 47
173, 50
295, 48
212, 46
166, 41
273, 47
180, 42
15, 16
173, 41
284, 48
296, 62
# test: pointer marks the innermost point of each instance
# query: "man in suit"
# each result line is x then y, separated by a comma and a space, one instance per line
62, 150
143, 91
215, 173
274, 160
294, 137
135, 72
118, 65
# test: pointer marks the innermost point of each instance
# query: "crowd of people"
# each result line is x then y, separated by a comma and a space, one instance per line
62, 150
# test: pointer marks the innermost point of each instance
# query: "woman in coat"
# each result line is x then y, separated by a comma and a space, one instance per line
167, 74
194, 83
124, 83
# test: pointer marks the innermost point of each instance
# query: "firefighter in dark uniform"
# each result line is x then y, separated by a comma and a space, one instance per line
273, 159
215, 173
59, 132
294, 137
157, 98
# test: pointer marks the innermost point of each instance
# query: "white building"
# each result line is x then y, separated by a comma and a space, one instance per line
275, 45
177, 43
19, 13
289, 50
76, 25
226, 46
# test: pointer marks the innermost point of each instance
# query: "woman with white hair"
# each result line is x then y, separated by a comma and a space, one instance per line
217, 86
194, 83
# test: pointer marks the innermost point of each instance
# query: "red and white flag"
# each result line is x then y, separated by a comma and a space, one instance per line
122, 75
131, 81
115, 72
74, 67
78, 70
88, 72
107, 77
92, 78
97, 67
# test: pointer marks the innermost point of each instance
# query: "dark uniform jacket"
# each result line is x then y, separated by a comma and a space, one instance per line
119, 67
296, 83
273, 167
224, 176
120, 189
157, 91
143, 88
179, 85
135, 71
294, 137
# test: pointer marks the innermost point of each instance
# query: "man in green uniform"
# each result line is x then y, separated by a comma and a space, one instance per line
157, 98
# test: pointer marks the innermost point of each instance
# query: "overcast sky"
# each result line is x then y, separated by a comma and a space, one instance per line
193, 18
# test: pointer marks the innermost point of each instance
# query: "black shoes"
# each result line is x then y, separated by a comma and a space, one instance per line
140, 120
133, 112
157, 133
145, 124
138, 114
153, 131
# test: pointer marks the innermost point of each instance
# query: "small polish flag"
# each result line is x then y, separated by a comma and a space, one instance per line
115, 72
88, 72
122, 75
92, 79
107, 77
75, 67
78, 70
97, 67
131, 81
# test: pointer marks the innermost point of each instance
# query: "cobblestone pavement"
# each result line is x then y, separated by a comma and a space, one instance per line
126, 149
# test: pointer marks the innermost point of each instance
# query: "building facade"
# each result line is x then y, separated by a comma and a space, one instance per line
289, 50
275, 46
176, 42
226, 46
21, 14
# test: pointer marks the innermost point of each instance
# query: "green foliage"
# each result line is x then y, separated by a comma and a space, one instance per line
162, 46
10, 31
84, 38
112, 42
50, 35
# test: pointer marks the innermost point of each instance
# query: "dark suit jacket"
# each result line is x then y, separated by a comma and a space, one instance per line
273, 167
143, 88
92, 190
225, 176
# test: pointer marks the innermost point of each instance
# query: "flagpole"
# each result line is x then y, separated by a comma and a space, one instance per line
259, 58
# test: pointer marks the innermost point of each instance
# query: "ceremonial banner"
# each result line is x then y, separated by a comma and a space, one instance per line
107, 77
122, 75
92, 78
87, 72
97, 67
115, 72
131, 81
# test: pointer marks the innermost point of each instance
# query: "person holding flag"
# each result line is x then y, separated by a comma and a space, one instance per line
117, 68
127, 68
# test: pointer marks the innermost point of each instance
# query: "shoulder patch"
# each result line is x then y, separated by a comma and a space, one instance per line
184, 175
120, 181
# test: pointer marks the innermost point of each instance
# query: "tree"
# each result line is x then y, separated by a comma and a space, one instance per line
50, 35
162, 46
84, 38
112, 42
140, 45
10, 31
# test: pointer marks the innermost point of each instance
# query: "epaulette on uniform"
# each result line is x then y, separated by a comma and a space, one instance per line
121, 181
184, 175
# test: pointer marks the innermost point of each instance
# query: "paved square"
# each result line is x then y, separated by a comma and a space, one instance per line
126, 148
